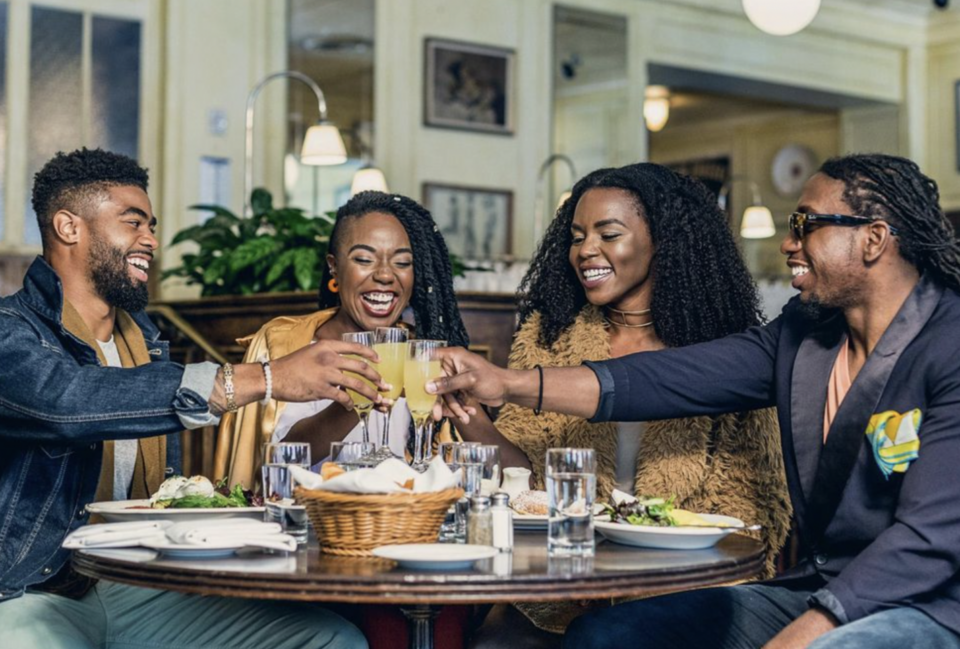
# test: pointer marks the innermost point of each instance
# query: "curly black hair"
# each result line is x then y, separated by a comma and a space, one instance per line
894, 189
433, 301
71, 180
702, 289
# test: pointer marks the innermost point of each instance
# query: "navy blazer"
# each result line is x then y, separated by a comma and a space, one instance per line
894, 539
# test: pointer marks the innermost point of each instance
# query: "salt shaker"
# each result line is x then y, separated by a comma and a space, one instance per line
502, 522
479, 521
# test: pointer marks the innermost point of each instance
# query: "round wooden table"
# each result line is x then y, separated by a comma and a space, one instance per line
526, 574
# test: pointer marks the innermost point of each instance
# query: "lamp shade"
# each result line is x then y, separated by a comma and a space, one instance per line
656, 108
323, 145
368, 178
781, 17
757, 223
563, 198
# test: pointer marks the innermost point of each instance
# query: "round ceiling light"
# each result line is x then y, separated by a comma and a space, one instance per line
781, 17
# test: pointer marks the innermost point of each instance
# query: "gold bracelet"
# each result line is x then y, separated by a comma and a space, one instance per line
228, 388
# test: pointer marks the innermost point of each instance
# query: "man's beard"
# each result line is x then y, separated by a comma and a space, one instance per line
112, 280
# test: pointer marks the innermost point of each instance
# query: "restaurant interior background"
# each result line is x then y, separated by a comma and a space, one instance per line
558, 89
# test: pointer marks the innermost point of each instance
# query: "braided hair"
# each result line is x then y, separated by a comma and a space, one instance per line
433, 301
702, 289
895, 190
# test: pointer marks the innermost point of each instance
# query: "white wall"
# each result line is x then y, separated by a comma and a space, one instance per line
944, 112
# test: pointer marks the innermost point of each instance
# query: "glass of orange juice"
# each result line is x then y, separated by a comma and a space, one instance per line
390, 343
422, 365
360, 402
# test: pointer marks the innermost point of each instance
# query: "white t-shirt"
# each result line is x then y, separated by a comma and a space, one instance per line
399, 423
629, 434
124, 450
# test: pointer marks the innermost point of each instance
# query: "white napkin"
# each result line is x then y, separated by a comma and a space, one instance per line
388, 477
253, 534
116, 535
619, 497
305, 478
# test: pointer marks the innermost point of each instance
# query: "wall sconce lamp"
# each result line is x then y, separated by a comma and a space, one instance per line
656, 107
538, 216
757, 221
322, 144
781, 17
368, 177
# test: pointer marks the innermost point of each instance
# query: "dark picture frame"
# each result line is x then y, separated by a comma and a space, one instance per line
468, 86
476, 222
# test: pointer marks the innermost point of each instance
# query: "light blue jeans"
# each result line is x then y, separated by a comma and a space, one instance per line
115, 616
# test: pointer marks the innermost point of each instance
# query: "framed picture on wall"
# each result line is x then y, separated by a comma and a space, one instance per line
476, 223
468, 86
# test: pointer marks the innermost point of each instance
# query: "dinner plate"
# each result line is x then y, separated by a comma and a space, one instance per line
435, 556
190, 551
670, 538
530, 521
119, 511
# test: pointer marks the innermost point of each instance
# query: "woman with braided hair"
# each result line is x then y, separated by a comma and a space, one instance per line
385, 253
639, 258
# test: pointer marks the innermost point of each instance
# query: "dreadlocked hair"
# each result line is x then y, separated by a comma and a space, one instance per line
433, 301
894, 189
702, 289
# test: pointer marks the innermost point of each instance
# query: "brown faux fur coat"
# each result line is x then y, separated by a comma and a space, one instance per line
731, 464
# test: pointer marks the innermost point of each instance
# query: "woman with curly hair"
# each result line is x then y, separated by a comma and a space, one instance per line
639, 258
385, 254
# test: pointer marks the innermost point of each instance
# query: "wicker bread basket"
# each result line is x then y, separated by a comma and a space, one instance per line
352, 525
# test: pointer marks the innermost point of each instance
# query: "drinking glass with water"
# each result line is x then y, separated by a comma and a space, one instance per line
571, 476
278, 486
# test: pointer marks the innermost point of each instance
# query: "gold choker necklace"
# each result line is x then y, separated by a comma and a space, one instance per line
623, 316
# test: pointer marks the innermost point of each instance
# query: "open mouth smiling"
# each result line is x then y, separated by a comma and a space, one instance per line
378, 303
594, 276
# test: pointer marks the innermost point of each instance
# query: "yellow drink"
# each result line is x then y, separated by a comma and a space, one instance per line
415, 376
392, 357
363, 404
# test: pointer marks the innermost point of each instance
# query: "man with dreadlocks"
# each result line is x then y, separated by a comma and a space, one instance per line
385, 253
863, 368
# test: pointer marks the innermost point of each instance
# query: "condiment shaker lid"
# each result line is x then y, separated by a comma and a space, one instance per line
501, 499
479, 503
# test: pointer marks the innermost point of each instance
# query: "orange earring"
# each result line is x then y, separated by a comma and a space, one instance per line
332, 286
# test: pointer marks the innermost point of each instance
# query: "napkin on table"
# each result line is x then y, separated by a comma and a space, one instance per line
253, 534
389, 477
116, 535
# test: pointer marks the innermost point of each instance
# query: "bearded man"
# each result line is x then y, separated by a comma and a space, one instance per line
91, 409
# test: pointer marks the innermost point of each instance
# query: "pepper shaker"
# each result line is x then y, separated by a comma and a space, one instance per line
502, 522
479, 521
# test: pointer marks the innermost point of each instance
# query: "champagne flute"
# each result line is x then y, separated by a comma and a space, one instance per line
362, 404
390, 343
423, 364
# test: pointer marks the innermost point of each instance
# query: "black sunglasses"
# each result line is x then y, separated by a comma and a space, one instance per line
801, 222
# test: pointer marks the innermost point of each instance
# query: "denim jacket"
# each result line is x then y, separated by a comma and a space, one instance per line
57, 406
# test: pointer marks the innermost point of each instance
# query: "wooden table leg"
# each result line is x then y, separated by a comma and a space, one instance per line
420, 619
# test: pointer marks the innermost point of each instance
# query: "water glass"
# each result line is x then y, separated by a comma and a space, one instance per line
447, 452
480, 466
571, 476
352, 455
278, 487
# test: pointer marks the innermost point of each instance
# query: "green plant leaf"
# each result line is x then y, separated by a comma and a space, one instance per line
305, 268
283, 261
261, 201
250, 252
217, 210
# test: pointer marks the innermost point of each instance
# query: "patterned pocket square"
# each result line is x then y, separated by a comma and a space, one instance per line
893, 437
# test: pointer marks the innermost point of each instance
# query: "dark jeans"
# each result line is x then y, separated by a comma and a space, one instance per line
743, 617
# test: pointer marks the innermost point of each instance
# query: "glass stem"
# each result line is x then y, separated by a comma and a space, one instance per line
418, 444
364, 428
385, 435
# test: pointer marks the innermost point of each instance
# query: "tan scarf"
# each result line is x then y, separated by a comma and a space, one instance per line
148, 472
